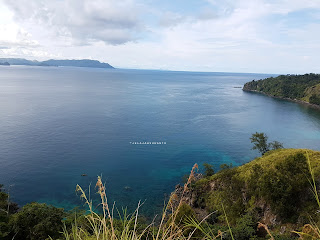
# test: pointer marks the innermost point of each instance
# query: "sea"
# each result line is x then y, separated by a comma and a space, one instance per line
140, 130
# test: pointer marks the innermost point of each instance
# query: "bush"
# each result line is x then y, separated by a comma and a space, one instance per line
184, 212
7, 208
208, 169
284, 186
314, 99
37, 221
245, 228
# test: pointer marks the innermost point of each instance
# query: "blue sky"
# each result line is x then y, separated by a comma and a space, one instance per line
267, 36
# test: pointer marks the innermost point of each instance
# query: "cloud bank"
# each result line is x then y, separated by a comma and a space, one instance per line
83, 21
277, 36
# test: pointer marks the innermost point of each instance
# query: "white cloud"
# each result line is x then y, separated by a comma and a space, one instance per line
169, 19
227, 35
14, 40
269, 6
84, 21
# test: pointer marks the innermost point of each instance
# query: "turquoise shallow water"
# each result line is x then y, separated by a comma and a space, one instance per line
58, 123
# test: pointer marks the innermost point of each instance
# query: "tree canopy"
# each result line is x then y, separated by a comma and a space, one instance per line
303, 87
260, 143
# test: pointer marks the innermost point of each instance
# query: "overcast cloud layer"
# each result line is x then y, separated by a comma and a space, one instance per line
275, 36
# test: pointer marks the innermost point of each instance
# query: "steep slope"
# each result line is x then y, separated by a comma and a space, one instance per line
294, 87
274, 189
312, 94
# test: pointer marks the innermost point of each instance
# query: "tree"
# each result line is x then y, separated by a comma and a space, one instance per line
275, 145
37, 221
260, 142
208, 169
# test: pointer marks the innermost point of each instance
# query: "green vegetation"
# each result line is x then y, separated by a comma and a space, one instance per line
274, 189
296, 87
7, 209
272, 195
314, 94
260, 142
208, 169
37, 221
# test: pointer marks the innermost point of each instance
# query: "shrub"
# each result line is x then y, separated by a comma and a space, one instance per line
37, 221
284, 186
7, 208
208, 169
184, 213
245, 228
314, 99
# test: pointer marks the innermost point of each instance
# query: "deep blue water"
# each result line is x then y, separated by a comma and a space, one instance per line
58, 123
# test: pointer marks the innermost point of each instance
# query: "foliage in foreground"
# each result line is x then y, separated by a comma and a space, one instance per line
274, 188
37, 221
278, 178
7, 209
170, 225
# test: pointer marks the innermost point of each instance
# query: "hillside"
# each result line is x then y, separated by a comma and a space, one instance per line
269, 196
52, 62
273, 189
295, 87
77, 63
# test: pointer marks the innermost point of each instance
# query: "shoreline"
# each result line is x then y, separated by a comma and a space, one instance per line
315, 106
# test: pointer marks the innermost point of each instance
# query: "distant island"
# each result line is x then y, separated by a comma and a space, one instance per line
301, 88
56, 63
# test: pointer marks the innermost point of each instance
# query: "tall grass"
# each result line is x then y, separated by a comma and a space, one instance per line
311, 231
170, 226
103, 227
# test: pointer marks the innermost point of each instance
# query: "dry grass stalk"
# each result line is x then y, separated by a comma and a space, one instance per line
261, 225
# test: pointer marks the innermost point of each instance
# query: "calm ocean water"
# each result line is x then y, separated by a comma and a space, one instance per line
59, 123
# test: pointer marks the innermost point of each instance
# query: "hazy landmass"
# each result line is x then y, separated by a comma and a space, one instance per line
4, 63
56, 63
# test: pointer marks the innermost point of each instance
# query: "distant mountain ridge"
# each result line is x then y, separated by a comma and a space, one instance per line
57, 63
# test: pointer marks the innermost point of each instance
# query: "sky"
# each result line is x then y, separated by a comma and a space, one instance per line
262, 36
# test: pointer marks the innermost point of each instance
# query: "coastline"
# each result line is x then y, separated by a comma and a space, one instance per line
315, 106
